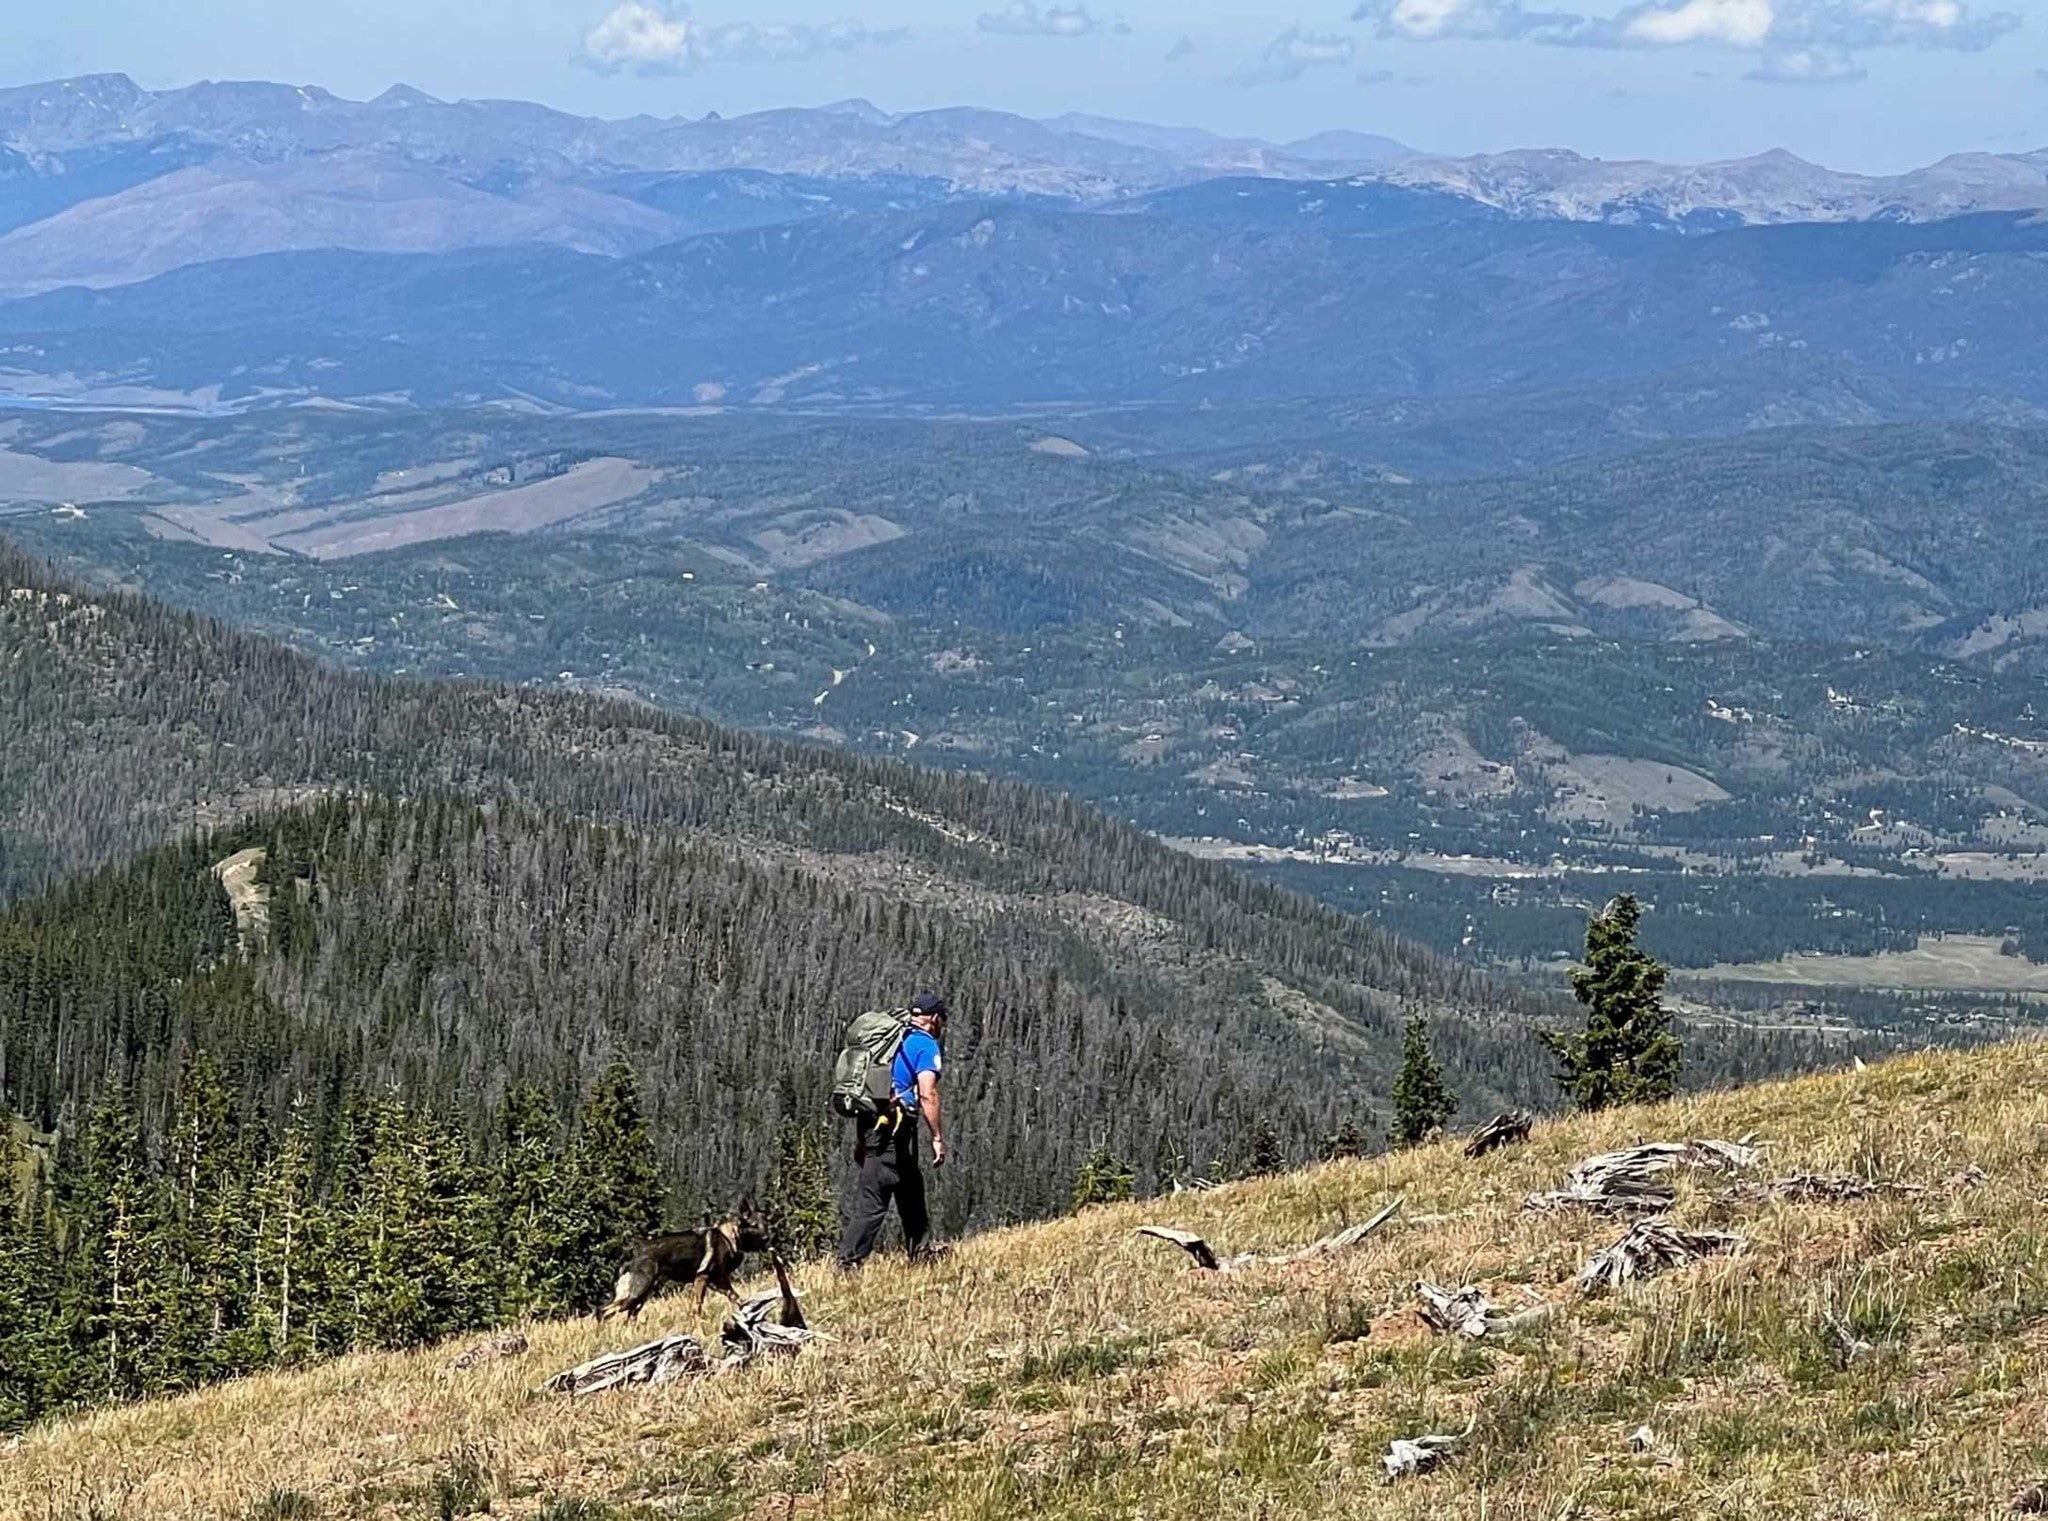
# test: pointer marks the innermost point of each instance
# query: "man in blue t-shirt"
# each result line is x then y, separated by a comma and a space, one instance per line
886, 1149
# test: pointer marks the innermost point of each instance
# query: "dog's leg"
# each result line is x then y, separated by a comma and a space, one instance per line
628, 1295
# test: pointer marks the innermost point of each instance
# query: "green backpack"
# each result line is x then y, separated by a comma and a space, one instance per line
862, 1079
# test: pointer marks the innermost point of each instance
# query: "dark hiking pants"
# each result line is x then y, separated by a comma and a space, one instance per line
889, 1170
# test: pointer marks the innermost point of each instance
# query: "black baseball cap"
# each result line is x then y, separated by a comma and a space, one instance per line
928, 1003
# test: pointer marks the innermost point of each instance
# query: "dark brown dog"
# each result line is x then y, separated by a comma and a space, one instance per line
707, 1258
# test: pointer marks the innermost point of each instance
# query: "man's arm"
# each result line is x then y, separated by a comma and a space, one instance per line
928, 1106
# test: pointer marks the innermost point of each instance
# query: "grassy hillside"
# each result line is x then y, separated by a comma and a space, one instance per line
1070, 1370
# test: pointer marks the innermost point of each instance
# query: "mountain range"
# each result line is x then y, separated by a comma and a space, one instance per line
1225, 290
103, 182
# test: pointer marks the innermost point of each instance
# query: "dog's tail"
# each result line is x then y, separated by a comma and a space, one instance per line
628, 1294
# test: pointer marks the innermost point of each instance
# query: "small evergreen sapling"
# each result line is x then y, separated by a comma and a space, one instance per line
1102, 1179
802, 1201
1421, 1101
1347, 1144
1627, 1053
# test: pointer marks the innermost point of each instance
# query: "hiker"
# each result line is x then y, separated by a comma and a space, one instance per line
885, 1146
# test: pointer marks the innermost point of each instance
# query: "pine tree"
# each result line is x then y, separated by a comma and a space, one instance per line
285, 1281
1102, 1179
1628, 1052
613, 1172
113, 1282
201, 1294
802, 1205
25, 1288
1421, 1101
1259, 1154
540, 1220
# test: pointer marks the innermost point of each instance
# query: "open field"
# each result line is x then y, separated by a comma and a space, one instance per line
1951, 963
1877, 1358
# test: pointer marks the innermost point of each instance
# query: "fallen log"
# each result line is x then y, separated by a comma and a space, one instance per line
1649, 1248
1203, 1254
746, 1335
653, 1362
749, 1333
1467, 1311
1343, 1240
1636, 1180
1206, 1260
1508, 1129
1810, 1188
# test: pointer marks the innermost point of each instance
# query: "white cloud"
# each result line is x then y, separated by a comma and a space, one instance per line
1816, 37
1293, 53
636, 34
1740, 23
1024, 18
1808, 66
1184, 48
652, 40
1792, 26
1464, 20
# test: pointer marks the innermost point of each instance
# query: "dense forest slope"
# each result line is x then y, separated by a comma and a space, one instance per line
1860, 1356
574, 878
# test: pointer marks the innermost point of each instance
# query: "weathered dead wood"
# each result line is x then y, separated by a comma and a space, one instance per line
1204, 1255
493, 1349
750, 1333
1206, 1260
1411, 1455
1811, 1188
1345, 1239
1462, 1311
1649, 1248
1636, 1180
1508, 1129
653, 1362
1467, 1311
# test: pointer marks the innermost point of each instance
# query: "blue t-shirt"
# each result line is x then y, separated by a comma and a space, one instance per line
918, 1053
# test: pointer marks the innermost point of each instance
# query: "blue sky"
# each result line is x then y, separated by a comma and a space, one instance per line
1860, 84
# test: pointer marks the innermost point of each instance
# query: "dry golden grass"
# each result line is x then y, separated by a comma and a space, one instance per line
1069, 1370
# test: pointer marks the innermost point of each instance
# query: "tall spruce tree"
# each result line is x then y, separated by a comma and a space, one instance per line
1627, 1053
25, 1288
111, 1298
1421, 1101
540, 1213
286, 1251
614, 1172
